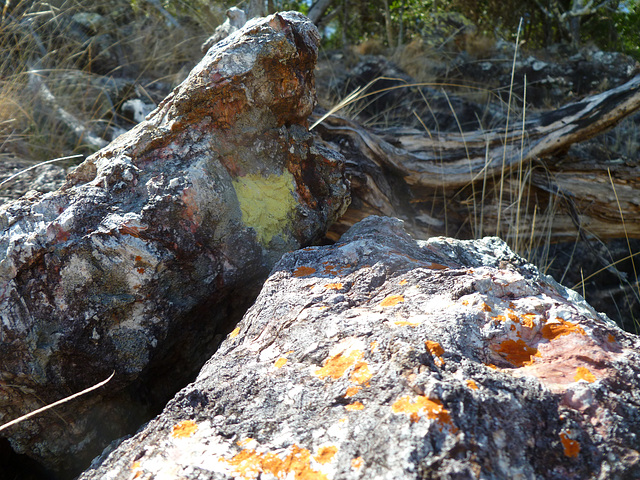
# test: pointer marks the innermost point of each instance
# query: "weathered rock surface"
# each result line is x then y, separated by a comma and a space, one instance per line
384, 357
152, 246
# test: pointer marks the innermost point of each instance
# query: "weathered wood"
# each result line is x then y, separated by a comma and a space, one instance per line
497, 181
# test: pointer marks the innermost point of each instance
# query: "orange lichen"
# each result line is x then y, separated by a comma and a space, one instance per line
351, 391
405, 323
611, 338
571, 447
337, 365
434, 348
516, 352
421, 405
465, 302
403, 282
280, 362
235, 332
333, 286
325, 454
245, 441
484, 307
354, 406
583, 373
303, 271
357, 462
528, 320
140, 270
361, 373
184, 429
472, 385
373, 346
552, 330
250, 465
392, 300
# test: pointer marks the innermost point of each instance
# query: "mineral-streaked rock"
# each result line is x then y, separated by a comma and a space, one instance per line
155, 243
382, 357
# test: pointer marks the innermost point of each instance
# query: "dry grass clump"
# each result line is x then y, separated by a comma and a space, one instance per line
87, 58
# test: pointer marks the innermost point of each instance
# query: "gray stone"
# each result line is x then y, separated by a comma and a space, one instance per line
382, 357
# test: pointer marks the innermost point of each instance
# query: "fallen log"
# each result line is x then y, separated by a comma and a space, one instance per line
497, 181
157, 244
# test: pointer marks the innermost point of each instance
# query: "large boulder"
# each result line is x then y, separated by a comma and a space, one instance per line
156, 244
385, 357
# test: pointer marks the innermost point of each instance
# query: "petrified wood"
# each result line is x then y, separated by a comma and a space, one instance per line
160, 241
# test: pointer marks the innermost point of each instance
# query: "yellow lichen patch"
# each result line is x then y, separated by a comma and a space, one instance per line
325, 454
571, 447
421, 405
184, 429
333, 286
337, 365
472, 385
357, 463
583, 373
303, 271
392, 300
516, 352
351, 391
250, 465
266, 203
234, 333
280, 362
403, 282
354, 406
552, 330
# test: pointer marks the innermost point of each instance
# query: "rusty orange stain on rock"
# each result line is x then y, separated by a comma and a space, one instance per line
303, 271
571, 447
421, 405
354, 406
357, 462
551, 331
250, 465
325, 454
472, 385
235, 332
437, 266
392, 300
184, 429
516, 352
279, 363
333, 286
583, 373
611, 338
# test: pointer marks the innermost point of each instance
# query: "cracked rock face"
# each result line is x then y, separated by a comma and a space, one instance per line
385, 357
154, 243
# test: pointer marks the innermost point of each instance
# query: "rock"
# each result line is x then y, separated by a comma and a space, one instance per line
236, 18
385, 357
160, 241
